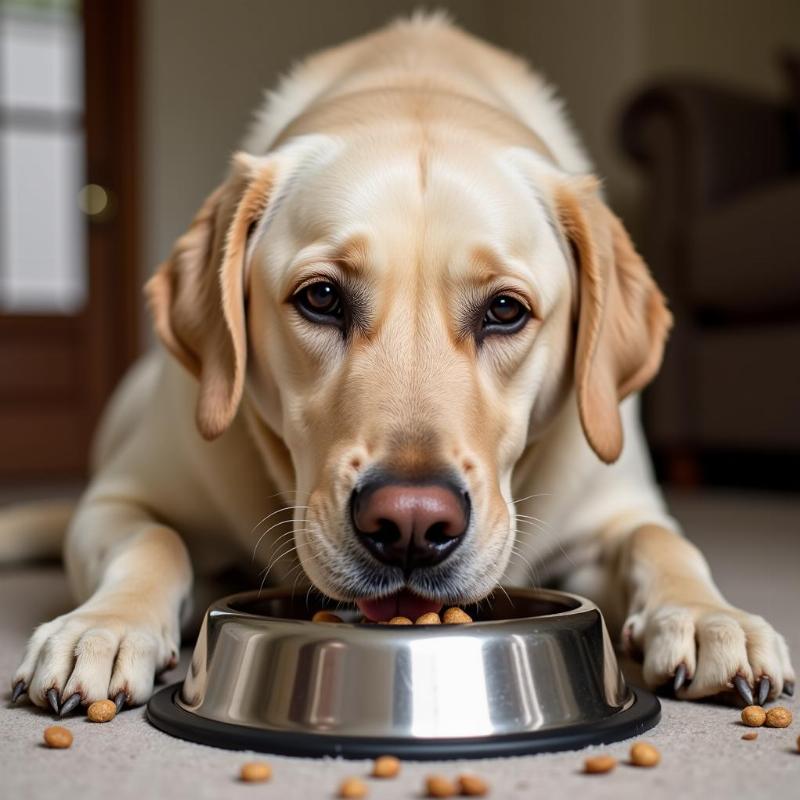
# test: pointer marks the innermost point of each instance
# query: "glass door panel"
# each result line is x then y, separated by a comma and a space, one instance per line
43, 230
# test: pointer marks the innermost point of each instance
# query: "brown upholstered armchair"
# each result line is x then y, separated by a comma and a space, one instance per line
722, 234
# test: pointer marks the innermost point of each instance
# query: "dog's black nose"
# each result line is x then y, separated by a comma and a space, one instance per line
410, 526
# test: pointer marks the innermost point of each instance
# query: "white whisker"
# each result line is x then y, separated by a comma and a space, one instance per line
277, 511
535, 519
523, 499
271, 527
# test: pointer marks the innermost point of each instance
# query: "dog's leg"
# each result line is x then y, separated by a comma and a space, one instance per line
132, 575
687, 632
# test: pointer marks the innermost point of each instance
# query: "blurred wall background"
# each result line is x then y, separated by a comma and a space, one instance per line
206, 63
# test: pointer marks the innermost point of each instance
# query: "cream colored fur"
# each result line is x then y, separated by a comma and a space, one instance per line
427, 164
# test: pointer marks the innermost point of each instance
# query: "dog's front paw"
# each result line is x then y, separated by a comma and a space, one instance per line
101, 650
706, 650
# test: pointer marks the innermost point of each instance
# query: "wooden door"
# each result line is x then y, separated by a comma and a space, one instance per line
63, 347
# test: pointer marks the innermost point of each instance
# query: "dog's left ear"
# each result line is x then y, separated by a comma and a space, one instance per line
623, 319
197, 295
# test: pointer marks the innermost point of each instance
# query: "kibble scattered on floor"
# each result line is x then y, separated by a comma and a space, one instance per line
643, 754
599, 765
386, 767
754, 716
57, 738
255, 772
353, 787
778, 717
440, 786
102, 711
470, 785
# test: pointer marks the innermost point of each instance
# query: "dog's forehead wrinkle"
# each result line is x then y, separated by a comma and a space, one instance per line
296, 159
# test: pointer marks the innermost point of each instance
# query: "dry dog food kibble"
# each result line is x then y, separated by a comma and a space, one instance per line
644, 755
102, 711
455, 616
472, 786
750, 736
599, 764
325, 616
439, 786
754, 716
779, 717
255, 772
386, 767
431, 618
352, 787
57, 737
400, 621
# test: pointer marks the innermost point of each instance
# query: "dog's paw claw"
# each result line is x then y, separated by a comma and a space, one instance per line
764, 685
119, 701
69, 704
680, 678
19, 689
52, 698
743, 687
788, 688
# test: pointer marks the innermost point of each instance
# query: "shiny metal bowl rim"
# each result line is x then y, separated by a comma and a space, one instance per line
226, 605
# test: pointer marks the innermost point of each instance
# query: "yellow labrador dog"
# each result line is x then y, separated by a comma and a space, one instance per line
403, 332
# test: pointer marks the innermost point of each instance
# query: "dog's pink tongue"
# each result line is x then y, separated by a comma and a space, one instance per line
402, 604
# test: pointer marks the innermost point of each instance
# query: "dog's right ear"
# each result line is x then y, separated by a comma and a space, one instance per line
197, 295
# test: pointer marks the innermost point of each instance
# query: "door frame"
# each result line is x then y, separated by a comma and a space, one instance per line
57, 371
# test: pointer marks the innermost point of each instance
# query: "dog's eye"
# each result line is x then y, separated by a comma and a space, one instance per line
320, 302
504, 314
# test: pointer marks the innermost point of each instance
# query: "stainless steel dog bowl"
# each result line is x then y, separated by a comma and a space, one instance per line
535, 672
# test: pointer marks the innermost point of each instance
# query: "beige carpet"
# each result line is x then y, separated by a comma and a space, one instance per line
753, 543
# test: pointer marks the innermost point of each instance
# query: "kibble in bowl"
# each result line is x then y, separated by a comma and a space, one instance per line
456, 616
326, 616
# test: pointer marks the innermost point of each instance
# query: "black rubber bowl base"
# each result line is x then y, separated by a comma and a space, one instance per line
164, 713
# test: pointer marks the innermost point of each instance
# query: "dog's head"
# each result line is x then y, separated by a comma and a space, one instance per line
403, 319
